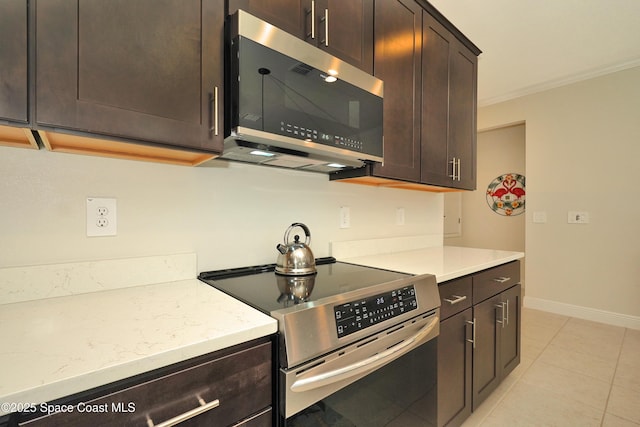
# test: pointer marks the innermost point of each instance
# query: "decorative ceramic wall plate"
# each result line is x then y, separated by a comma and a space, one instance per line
506, 194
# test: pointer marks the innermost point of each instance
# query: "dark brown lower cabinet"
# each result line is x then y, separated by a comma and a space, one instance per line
497, 341
479, 342
454, 369
510, 336
223, 388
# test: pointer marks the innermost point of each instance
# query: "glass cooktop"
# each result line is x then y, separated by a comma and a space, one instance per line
262, 288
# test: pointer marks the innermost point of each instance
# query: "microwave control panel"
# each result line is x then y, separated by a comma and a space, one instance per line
307, 134
358, 315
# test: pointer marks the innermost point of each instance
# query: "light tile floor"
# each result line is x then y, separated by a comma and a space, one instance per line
573, 372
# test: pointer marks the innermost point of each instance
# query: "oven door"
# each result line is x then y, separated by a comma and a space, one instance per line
387, 379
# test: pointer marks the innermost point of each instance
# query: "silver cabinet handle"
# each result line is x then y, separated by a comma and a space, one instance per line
502, 279
503, 320
326, 27
313, 19
458, 298
215, 111
204, 407
213, 129
507, 318
369, 363
453, 168
500, 306
473, 332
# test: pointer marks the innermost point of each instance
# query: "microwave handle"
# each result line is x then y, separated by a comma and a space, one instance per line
367, 364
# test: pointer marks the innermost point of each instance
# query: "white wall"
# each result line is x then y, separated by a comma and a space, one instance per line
230, 215
582, 153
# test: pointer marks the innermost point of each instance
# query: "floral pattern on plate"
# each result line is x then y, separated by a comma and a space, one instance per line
506, 194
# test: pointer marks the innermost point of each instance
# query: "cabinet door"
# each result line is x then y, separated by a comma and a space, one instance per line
448, 109
510, 332
398, 40
345, 30
292, 16
436, 163
462, 114
486, 372
454, 369
342, 28
148, 70
13, 60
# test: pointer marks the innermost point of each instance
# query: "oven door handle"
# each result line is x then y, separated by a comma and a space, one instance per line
367, 364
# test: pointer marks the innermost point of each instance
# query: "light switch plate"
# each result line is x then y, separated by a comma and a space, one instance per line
399, 216
578, 217
539, 217
345, 217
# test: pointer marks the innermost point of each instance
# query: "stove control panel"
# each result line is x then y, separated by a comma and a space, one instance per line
358, 315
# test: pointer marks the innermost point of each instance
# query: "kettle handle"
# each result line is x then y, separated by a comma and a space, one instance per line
307, 233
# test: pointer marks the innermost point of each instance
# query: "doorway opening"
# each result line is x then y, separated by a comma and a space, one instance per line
480, 220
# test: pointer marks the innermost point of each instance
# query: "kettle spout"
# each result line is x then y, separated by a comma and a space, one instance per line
281, 248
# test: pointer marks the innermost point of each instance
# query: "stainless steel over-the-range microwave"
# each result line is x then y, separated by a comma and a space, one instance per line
291, 104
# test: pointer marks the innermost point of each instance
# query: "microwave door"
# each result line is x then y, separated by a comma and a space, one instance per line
281, 95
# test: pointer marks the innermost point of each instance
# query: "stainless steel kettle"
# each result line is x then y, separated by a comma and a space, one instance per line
295, 258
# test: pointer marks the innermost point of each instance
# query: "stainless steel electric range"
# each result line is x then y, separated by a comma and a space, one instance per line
357, 346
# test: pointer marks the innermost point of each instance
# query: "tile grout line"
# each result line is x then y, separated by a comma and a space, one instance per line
522, 374
615, 371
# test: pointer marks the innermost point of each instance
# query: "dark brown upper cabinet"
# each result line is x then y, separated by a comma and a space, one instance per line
288, 15
449, 106
397, 63
14, 75
13, 60
148, 71
429, 71
342, 28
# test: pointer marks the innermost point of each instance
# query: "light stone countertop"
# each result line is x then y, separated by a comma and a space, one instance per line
59, 346
445, 262
90, 324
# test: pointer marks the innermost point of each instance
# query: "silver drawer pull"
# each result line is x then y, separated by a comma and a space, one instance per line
204, 407
502, 279
457, 299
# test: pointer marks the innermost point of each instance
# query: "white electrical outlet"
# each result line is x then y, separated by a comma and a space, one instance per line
101, 217
575, 217
399, 216
345, 217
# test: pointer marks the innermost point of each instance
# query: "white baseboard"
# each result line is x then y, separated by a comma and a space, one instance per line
593, 314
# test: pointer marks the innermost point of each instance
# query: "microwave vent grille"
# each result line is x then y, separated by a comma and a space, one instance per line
301, 68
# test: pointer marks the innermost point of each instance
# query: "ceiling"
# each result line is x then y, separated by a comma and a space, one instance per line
533, 45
